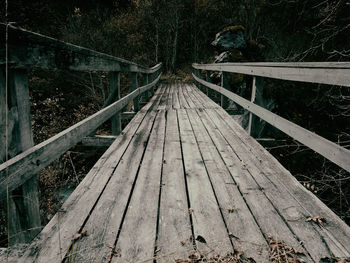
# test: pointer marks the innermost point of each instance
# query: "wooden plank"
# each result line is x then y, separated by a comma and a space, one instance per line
238, 219
25, 165
99, 140
334, 230
163, 102
268, 218
323, 75
195, 103
186, 93
106, 218
176, 103
266, 215
137, 238
65, 224
288, 208
333, 152
206, 217
32, 50
174, 221
170, 98
127, 115
328, 64
182, 100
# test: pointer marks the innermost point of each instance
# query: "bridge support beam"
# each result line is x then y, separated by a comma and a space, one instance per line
255, 124
134, 86
225, 84
114, 83
145, 82
24, 215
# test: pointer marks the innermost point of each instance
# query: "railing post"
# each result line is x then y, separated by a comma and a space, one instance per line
114, 83
24, 203
198, 74
252, 99
149, 80
224, 84
145, 82
207, 76
134, 86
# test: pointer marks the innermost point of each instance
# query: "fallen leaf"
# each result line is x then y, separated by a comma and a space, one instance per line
230, 235
112, 246
201, 239
79, 235
317, 219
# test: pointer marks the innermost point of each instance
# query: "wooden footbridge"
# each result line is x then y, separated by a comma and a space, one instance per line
181, 181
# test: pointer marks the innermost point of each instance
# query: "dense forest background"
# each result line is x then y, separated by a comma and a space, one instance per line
178, 33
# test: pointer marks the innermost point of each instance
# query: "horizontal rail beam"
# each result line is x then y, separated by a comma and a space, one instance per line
330, 150
322, 73
127, 115
98, 140
35, 51
23, 166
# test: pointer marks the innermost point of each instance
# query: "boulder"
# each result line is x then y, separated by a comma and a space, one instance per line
229, 38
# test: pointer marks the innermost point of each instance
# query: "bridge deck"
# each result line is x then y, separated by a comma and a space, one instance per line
183, 167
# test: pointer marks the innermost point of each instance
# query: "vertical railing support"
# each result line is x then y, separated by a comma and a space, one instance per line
225, 85
134, 86
145, 82
24, 203
252, 99
114, 82
207, 76
150, 79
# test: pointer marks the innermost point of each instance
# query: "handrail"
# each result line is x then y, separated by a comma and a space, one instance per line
330, 73
35, 51
330, 150
25, 165
32, 50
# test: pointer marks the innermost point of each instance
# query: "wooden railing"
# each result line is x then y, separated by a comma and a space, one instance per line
27, 50
330, 73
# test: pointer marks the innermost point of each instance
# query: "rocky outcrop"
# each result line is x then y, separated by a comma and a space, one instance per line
232, 47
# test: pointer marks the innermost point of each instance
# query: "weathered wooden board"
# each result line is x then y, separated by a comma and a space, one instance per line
182, 100
289, 186
142, 211
206, 217
239, 220
106, 218
99, 140
334, 75
128, 115
289, 206
174, 220
83, 199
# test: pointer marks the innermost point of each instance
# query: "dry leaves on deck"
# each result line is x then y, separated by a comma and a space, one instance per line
79, 235
237, 256
281, 253
317, 219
